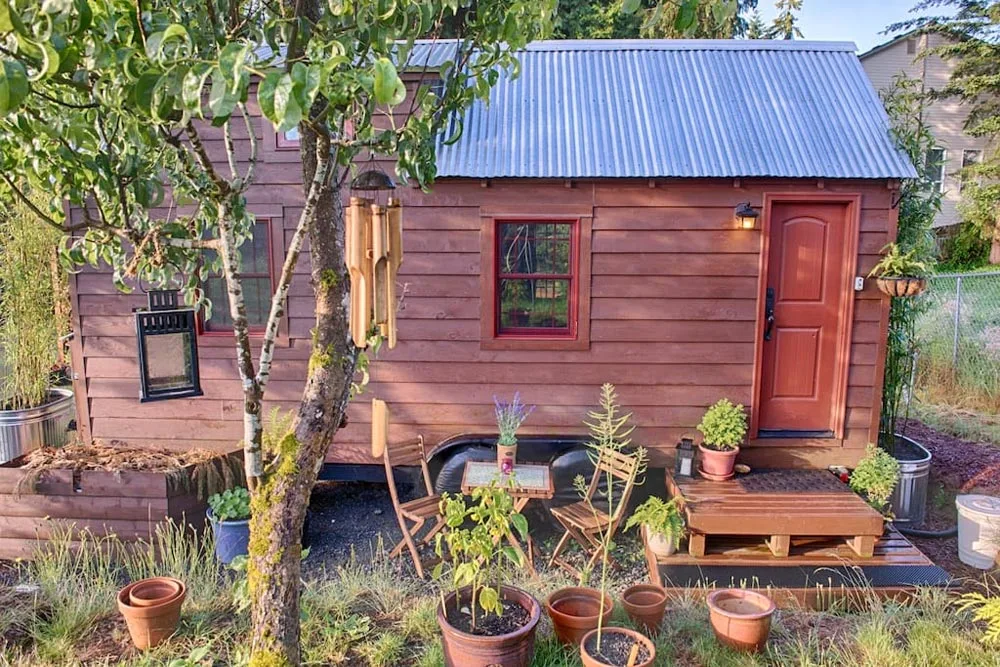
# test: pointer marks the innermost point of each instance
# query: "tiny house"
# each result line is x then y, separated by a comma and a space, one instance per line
688, 220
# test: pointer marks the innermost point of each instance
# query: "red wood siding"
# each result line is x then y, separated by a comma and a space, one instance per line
672, 319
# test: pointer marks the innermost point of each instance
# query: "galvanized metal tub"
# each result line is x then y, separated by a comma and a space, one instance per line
24, 430
909, 501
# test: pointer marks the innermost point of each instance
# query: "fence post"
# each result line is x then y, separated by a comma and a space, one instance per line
958, 320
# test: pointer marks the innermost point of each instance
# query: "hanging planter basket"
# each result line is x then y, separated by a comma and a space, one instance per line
901, 286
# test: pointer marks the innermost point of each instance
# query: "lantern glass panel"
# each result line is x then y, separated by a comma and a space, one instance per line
168, 360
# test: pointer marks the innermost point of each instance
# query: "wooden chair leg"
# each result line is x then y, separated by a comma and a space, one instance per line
559, 548
407, 532
435, 529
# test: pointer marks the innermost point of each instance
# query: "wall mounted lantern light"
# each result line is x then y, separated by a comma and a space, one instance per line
746, 216
168, 349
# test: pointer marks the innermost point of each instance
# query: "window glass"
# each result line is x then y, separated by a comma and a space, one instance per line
535, 278
256, 273
969, 158
934, 167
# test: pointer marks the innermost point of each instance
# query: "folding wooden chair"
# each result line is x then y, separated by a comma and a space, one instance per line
418, 511
584, 523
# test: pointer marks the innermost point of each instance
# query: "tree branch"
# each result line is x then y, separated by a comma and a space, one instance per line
201, 156
252, 167
227, 137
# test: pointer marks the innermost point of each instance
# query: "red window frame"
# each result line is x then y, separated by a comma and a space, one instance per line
255, 330
577, 337
283, 143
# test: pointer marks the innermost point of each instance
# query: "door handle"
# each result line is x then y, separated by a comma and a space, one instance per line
768, 313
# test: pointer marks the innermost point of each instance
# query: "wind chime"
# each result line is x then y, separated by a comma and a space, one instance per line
373, 253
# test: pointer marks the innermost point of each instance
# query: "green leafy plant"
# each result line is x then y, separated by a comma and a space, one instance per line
897, 264
510, 416
610, 431
475, 552
659, 516
231, 504
875, 477
985, 610
724, 425
197, 657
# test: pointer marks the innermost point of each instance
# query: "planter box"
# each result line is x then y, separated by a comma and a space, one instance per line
128, 504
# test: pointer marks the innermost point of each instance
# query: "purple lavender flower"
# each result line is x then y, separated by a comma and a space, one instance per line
510, 416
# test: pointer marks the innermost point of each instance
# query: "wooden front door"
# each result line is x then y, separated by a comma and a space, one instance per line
808, 272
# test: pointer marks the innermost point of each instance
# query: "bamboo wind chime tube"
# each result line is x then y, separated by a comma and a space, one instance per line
358, 265
394, 225
380, 427
373, 251
380, 266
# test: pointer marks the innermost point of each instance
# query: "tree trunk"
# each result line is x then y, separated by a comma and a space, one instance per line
281, 499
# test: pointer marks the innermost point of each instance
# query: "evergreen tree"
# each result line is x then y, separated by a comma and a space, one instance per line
595, 19
696, 19
756, 29
972, 44
785, 25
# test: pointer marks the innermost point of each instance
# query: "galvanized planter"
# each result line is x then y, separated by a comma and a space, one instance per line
909, 501
24, 430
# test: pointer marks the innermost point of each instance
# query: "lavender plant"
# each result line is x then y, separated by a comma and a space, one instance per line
510, 416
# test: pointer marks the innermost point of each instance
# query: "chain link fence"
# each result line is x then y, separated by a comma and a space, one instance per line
958, 333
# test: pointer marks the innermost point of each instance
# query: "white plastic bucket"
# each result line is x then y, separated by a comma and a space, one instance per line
978, 530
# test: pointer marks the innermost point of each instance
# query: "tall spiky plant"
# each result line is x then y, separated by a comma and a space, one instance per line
610, 430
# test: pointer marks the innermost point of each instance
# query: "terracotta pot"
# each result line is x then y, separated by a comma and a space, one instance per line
718, 465
589, 661
515, 649
575, 610
741, 619
901, 286
150, 592
506, 452
645, 604
659, 544
150, 625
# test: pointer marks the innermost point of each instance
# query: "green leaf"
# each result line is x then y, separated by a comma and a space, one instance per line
231, 62
84, 14
144, 88
686, 15
385, 81
13, 86
265, 96
221, 100
191, 87
630, 6
511, 554
287, 110
6, 25
521, 524
157, 41
489, 600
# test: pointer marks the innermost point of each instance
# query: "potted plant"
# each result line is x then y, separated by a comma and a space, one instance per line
509, 416
899, 273
229, 514
645, 605
724, 426
663, 522
875, 478
34, 316
740, 618
483, 621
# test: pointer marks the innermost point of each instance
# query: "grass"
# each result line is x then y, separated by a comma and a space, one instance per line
957, 421
372, 612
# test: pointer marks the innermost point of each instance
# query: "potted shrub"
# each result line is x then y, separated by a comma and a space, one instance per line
509, 416
663, 522
483, 621
724, 426
34, 315
899, 273
875, 478
229, 515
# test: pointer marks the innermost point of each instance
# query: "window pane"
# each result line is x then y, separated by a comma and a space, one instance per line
535, 248
535, 304
256, 272
934, 166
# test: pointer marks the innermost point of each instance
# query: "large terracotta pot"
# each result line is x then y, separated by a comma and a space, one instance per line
717, 465
515, 649
149, 592
150, 625
645, 604
589, 661
741, 619
575, 610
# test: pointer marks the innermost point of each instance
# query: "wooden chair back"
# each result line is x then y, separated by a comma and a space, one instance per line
406, 453
622, 468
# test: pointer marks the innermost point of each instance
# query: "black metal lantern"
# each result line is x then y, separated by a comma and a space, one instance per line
746, 216
684, 462
168, 349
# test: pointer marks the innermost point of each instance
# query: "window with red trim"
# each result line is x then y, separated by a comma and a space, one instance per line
287, 139
255, 271
536, 278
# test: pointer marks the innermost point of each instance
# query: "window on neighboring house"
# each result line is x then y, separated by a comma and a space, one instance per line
255, 271
969, 158
911, 45
934, 167
536, 279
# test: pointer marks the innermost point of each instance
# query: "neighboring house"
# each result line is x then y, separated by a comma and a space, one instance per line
610, 171
945, 117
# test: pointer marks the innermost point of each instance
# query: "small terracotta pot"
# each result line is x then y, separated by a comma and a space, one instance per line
741, 619
718, 465
575, 611
149, 626
589, 661
515, 649
645, 604
659, 544
901, 286
506, 452
150, 592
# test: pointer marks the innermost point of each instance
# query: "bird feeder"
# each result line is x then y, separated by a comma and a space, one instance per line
168, 349
373, 254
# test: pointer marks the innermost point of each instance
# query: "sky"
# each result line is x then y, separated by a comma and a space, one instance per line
858, 21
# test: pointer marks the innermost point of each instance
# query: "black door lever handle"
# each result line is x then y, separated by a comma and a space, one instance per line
768, 313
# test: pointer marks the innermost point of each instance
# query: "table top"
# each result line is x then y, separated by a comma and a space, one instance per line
530, 480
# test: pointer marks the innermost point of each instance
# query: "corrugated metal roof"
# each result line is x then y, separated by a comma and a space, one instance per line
676, 108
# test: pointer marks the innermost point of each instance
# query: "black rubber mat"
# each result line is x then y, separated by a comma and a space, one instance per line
876, 576
792, 481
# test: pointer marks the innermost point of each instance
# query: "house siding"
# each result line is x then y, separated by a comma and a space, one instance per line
673, 309
945, 117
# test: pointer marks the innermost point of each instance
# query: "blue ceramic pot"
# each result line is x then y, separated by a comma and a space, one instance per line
232, 538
